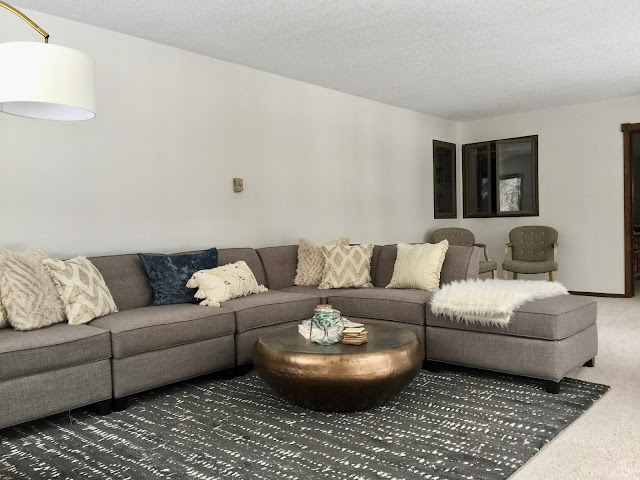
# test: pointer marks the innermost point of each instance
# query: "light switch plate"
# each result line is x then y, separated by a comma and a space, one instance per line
238, 185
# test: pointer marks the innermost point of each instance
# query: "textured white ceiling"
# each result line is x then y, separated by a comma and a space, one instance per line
458, 59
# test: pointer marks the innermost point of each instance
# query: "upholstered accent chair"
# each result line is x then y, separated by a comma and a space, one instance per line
465, 238
534, 249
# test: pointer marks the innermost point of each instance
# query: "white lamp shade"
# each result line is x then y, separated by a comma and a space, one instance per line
40, 80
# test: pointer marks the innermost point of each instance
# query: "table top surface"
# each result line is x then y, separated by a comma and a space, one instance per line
379, 338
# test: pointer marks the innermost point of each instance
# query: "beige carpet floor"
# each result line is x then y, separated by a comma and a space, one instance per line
605, 442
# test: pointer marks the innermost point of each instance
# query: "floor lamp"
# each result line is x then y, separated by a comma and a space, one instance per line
45, 81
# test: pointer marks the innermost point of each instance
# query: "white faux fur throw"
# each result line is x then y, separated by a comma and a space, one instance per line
490, 301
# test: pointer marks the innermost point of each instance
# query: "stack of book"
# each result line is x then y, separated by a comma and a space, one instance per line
354, 334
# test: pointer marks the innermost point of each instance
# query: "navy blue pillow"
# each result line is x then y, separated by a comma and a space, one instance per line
169, 274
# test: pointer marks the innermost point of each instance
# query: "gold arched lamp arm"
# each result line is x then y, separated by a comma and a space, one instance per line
26, 19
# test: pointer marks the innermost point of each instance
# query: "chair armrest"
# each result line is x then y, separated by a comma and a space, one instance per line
507, 246
486, 250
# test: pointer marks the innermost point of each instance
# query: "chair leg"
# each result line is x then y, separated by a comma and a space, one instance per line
504, 274
553, 276
494, 273
515, 275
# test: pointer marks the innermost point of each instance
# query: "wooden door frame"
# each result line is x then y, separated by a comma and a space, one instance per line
627, 129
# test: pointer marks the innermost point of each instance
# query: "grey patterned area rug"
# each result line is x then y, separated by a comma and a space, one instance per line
454, 424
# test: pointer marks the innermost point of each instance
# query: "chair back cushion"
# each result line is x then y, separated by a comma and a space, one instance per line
533, 243
454, 235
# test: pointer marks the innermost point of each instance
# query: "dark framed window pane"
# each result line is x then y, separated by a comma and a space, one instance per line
517, 184
500, 178
477, 176
444, 180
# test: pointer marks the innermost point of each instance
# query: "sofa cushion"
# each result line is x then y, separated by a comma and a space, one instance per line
347, 266
153, 328
271, 308
407, 306
279, 265
50, 348
127, 280
418, 267
82, 290
552, 318
28, 292
311, 261
459, 263
249, 255
169, 274
224, 283
308, 290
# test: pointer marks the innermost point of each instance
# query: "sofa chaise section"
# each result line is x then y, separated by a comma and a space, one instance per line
545, 339
51, 370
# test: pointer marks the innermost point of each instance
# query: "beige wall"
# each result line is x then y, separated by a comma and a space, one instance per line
153, 171
580, 166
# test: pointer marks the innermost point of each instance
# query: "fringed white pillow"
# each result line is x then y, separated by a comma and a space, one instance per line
224, 283
28, 292
418, 266
311, 261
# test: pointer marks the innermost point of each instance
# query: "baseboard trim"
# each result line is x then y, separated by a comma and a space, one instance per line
597, 294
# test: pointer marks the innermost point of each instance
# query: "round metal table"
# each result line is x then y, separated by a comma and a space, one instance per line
339, 378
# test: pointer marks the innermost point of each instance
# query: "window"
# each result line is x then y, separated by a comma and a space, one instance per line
500, 178
444, 180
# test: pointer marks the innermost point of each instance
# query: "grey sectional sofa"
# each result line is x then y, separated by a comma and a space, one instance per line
61, 367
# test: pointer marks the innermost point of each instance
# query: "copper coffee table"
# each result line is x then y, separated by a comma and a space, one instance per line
339, 378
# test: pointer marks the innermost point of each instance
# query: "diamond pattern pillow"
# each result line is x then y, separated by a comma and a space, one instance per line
82, 289
311, 261
224, 283
28, 293
347, 266
418, 266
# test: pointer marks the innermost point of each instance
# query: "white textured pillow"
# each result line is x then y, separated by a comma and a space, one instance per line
418, 266
82, 290
28, 293
347, 266
224, 283
311, 261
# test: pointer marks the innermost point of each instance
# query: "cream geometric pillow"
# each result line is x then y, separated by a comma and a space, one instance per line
346, 266
82, 289
418, 266
28, 293
224, 283
311, 261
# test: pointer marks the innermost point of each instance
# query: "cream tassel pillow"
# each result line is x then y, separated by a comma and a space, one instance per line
418, 266
224, 283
